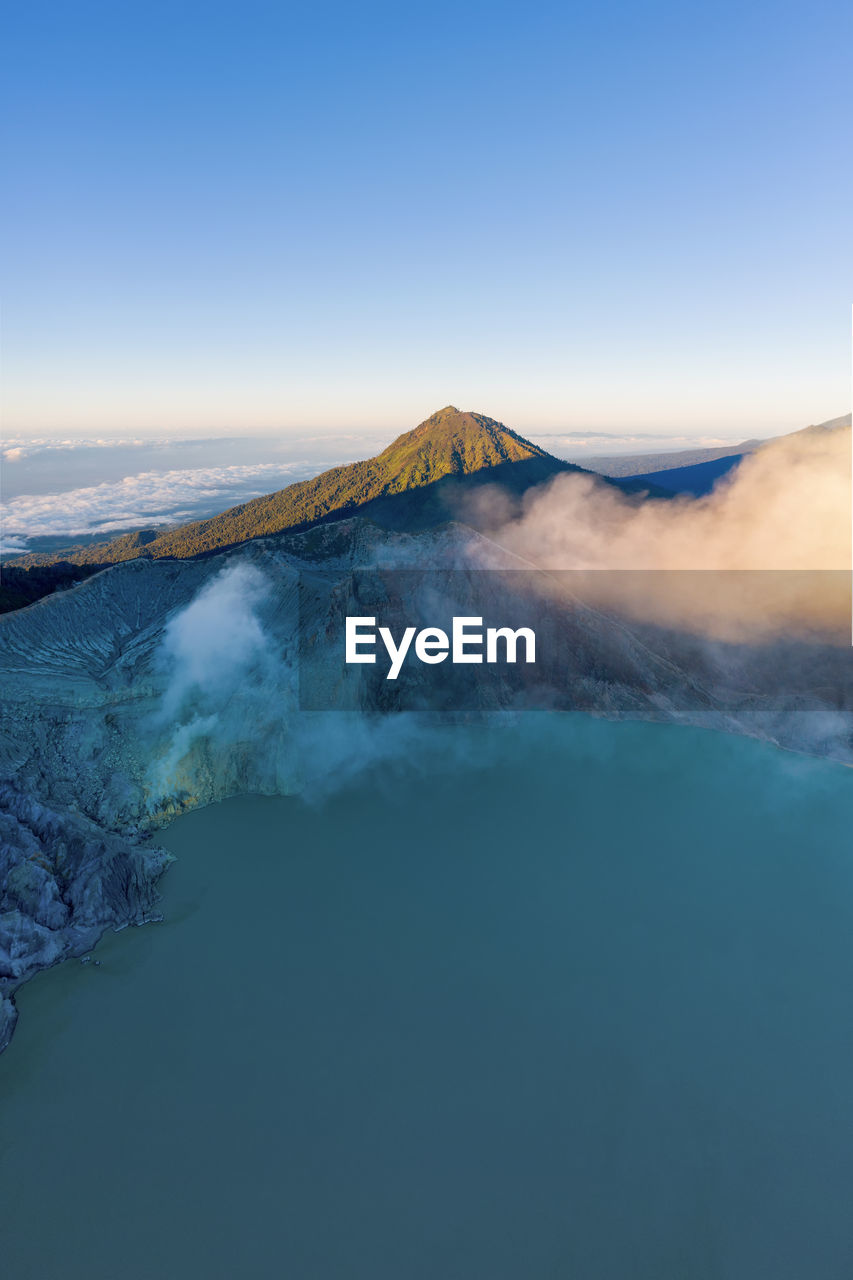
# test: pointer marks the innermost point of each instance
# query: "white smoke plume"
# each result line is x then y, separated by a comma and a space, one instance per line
786, 511
224, 683
208, 646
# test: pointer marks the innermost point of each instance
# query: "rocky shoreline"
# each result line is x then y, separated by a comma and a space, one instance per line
65, 882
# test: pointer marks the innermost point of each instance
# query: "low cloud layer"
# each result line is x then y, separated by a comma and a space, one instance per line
16, 448
161, 496
580, 444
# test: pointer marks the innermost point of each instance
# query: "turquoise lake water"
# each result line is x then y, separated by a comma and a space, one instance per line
575, 1002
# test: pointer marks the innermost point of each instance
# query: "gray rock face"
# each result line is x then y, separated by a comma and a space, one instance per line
65, 880
158, 686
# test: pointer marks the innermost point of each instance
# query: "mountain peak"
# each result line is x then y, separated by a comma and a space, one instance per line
452, 442
441, 415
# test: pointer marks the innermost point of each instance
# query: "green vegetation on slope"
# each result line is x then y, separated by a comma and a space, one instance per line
450, 443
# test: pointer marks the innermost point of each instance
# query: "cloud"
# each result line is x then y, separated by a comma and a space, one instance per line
786, 511
594, 444
150, 496
15, 448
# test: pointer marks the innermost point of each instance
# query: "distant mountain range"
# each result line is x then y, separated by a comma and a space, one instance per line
418, 482
693, 471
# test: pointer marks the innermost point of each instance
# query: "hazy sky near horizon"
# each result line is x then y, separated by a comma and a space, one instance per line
270, 217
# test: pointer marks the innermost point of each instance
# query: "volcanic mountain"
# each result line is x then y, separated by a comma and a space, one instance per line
421, 480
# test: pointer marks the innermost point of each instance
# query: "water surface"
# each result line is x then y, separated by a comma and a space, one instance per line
580, 1006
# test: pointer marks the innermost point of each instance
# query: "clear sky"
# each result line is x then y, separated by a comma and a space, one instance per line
251, 217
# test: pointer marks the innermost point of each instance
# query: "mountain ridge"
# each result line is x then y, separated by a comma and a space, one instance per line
416, 482
637, 466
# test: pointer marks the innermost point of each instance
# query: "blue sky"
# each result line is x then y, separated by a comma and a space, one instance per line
270, 217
